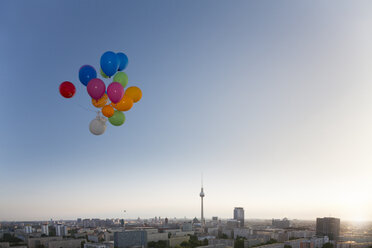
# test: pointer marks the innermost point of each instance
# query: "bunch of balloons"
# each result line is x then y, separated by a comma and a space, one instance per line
113, 100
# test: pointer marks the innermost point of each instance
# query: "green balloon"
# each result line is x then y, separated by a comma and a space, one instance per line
117, 119
121, 78
103, 74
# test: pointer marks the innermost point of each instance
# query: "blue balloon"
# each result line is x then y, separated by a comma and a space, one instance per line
86, 73
123, 61
109, 63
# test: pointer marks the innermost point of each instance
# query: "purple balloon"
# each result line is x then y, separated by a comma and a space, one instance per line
115, 92
96, 88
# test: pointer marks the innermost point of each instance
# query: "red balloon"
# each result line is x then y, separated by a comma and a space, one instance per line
67, 89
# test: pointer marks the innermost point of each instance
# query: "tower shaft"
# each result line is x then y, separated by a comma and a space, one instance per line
202, 212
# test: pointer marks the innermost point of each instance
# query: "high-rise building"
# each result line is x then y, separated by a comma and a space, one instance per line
28, 229
65, 231
328, 226
45, 229
61, 230
130, 239
239, 215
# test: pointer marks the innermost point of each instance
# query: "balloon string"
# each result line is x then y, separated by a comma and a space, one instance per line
81, 106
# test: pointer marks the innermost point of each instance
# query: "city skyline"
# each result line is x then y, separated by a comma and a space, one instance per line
168, 233
234, 216
270, 100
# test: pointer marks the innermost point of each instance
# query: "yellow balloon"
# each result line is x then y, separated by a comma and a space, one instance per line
100, 103
125, 104
134, 92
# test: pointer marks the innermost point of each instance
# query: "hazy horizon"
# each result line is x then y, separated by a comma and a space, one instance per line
270, 100
171, 218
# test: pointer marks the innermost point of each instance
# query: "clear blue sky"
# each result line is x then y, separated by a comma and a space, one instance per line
271, 100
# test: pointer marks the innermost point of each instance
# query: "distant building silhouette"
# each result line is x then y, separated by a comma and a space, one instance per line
284, 223
239, 215
231, 224
195, 220
328, 226
187, 226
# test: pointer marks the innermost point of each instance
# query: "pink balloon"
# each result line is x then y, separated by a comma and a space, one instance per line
115, 92
96, 88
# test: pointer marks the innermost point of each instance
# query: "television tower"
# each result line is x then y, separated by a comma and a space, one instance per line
202, 208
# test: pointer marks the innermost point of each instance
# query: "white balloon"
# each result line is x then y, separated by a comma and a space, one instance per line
97, 126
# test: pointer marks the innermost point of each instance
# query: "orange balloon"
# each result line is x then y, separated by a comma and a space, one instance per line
134, 92
108, 111
125, 104
100, 103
